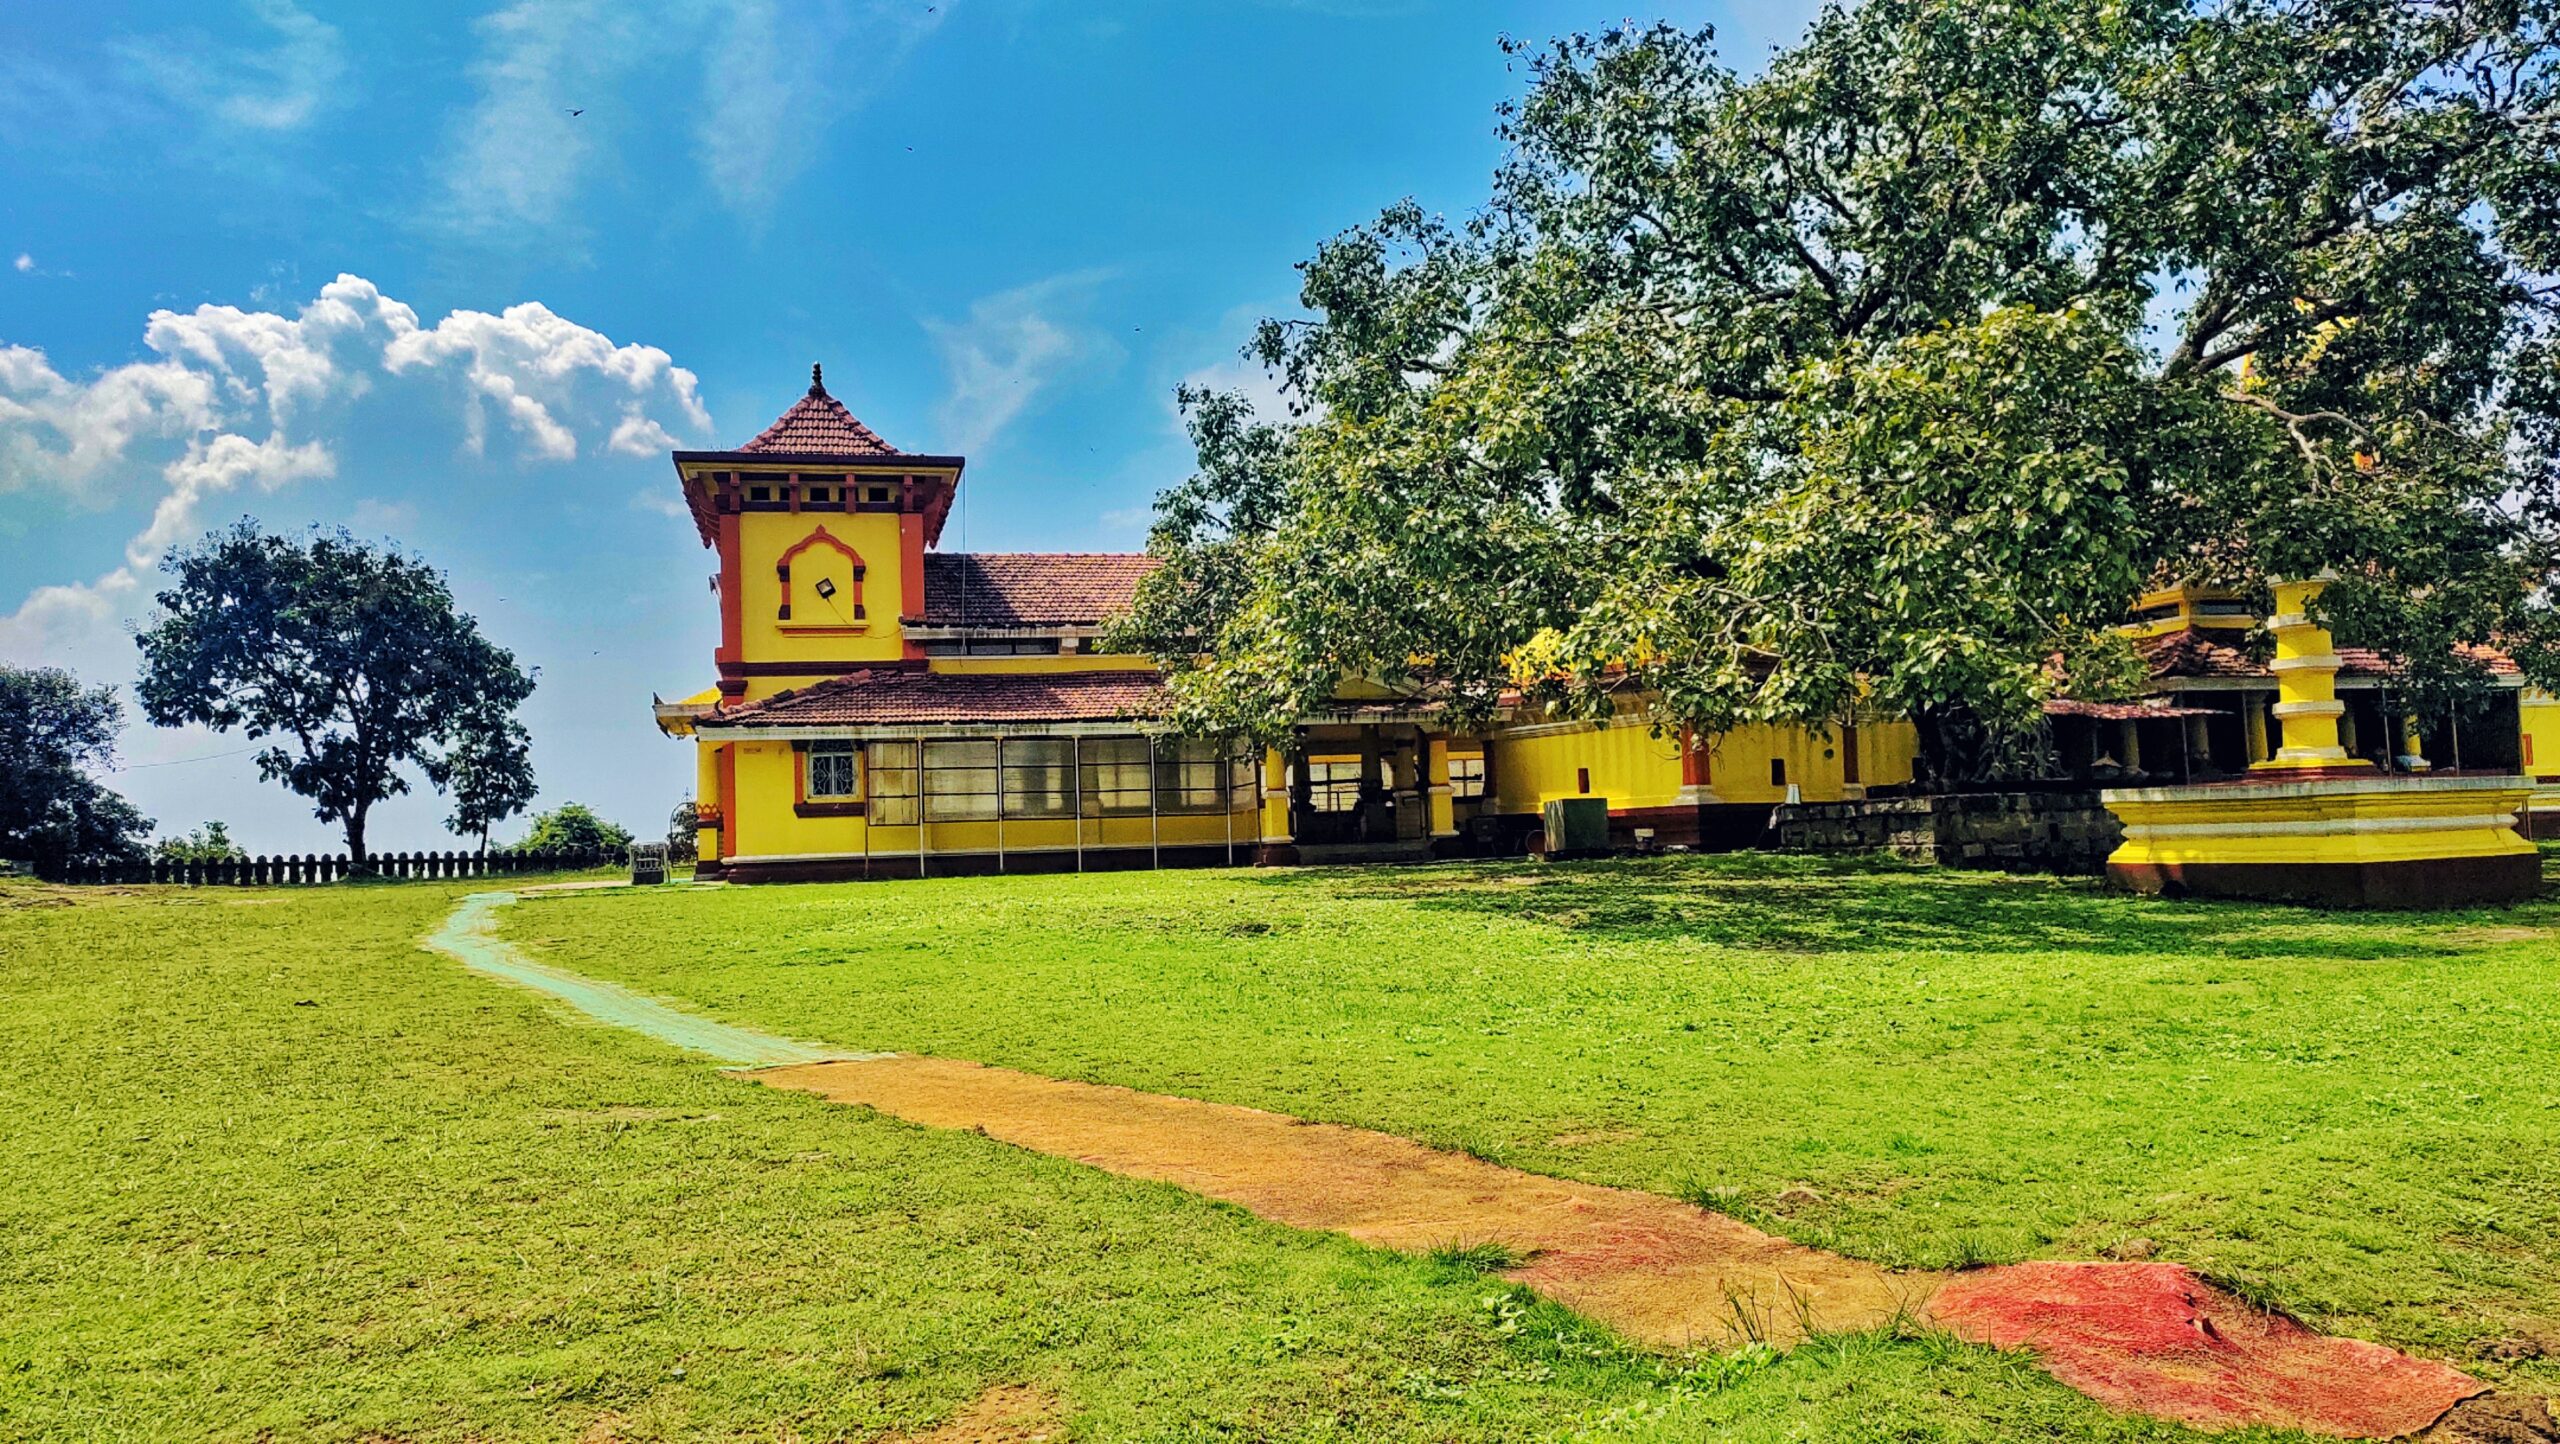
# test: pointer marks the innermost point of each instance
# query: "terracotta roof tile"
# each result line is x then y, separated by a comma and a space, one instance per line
818, 425
1030, 589
887, 698
2119, 711
2190, 653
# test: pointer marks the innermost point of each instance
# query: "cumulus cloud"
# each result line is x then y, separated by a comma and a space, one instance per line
1011, 347
235, 398
274, 88
24, 263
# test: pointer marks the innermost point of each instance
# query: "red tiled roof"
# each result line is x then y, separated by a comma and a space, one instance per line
2190, 653
887, 698
1030, 589
818, 425
2119, 711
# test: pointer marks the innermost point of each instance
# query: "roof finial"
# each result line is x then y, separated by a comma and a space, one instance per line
817, 379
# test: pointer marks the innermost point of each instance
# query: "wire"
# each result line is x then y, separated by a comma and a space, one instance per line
183, 761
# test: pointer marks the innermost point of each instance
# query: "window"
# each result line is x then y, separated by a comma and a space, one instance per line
759, 493
822, 493
993, 647
1188, 775
960, 781
880, 493
831, 769
1777, 772
1116, 776
1466, 775
1039, 777
893, 784
1333, 786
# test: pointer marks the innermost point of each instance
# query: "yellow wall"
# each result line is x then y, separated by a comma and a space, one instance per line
1629, 766
1634, 768
763, 536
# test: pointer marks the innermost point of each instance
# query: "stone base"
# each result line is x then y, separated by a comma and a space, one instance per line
2442, 882
2373, 841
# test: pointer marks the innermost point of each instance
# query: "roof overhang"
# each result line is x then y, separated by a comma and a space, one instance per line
944, 470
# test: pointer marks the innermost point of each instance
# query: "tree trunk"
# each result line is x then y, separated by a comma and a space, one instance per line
356, 856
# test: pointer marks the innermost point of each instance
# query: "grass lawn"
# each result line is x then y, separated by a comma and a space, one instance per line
274, 1173
2354, 1117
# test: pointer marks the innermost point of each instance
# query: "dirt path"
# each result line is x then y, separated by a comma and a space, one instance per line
2147, 1337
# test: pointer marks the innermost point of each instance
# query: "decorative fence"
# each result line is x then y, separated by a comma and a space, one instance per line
288, 870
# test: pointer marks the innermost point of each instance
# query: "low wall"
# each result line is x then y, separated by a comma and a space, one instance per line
2064, 832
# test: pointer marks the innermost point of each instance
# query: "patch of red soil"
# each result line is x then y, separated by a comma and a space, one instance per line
2154, 1338
2146, 1337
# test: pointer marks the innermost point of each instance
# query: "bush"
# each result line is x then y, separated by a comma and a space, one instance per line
209, 843
573, 827
682, 824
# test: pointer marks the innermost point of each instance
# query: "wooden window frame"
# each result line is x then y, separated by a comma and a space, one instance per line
803, 805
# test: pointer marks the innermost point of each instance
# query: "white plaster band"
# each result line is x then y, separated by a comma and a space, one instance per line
2327, 707
2322, 662
2322, 827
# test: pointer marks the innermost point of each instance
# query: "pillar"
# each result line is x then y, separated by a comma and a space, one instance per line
2413, 748
1444, 807
1697, 771
1275, 796
2253, 727
2306, 668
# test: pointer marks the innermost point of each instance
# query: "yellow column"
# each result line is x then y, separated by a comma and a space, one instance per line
2306, 668
2413, 748
706, 799
1444, 810
1275, 796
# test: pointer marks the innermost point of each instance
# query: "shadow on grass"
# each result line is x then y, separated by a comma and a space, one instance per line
1784, 903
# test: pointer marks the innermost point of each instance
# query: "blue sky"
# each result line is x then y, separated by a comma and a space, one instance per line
357, 265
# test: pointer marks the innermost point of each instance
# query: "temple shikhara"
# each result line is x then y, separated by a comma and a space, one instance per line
883, 708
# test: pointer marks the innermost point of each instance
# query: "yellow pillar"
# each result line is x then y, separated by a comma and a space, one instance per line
2306, 668
1275, 796
2413, 748
706, 801
1444, 808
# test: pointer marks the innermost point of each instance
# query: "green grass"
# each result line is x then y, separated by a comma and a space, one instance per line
2349, 1116
274, 1173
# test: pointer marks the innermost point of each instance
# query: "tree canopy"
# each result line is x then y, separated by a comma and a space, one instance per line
353, 657
574, 827
1887, 379
53, 813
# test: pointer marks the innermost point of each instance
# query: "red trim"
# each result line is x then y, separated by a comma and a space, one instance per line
819, 537
1849, 769
823, 668
728, 802
910, 567
1695, 770
733, 622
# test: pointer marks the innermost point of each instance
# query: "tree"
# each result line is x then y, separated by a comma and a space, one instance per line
209, 843
353, 657
684, 828
487, 766
573, 827
52, 812
1878, 381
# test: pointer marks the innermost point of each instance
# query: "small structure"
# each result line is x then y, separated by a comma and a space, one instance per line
648, 863
2312, 822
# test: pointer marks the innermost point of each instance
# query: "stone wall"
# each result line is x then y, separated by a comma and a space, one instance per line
2064, 832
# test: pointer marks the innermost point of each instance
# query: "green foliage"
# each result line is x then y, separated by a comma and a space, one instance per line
488, 767
52, 812
352, 656
1881, 380
209, 843
684, 829
573, 827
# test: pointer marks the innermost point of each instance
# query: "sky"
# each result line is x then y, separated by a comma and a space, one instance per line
457, 277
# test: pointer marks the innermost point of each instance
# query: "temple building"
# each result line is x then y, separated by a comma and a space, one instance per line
883, 708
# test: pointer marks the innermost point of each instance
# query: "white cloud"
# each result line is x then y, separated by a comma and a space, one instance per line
242, 398
772, 79
385, 518
754, 139
24, 263
1260, 387
1013, 346
637, 435
278, 88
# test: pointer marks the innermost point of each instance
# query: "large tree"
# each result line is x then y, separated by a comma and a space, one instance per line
354, 658
1887, 378
53, 732
487, 767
